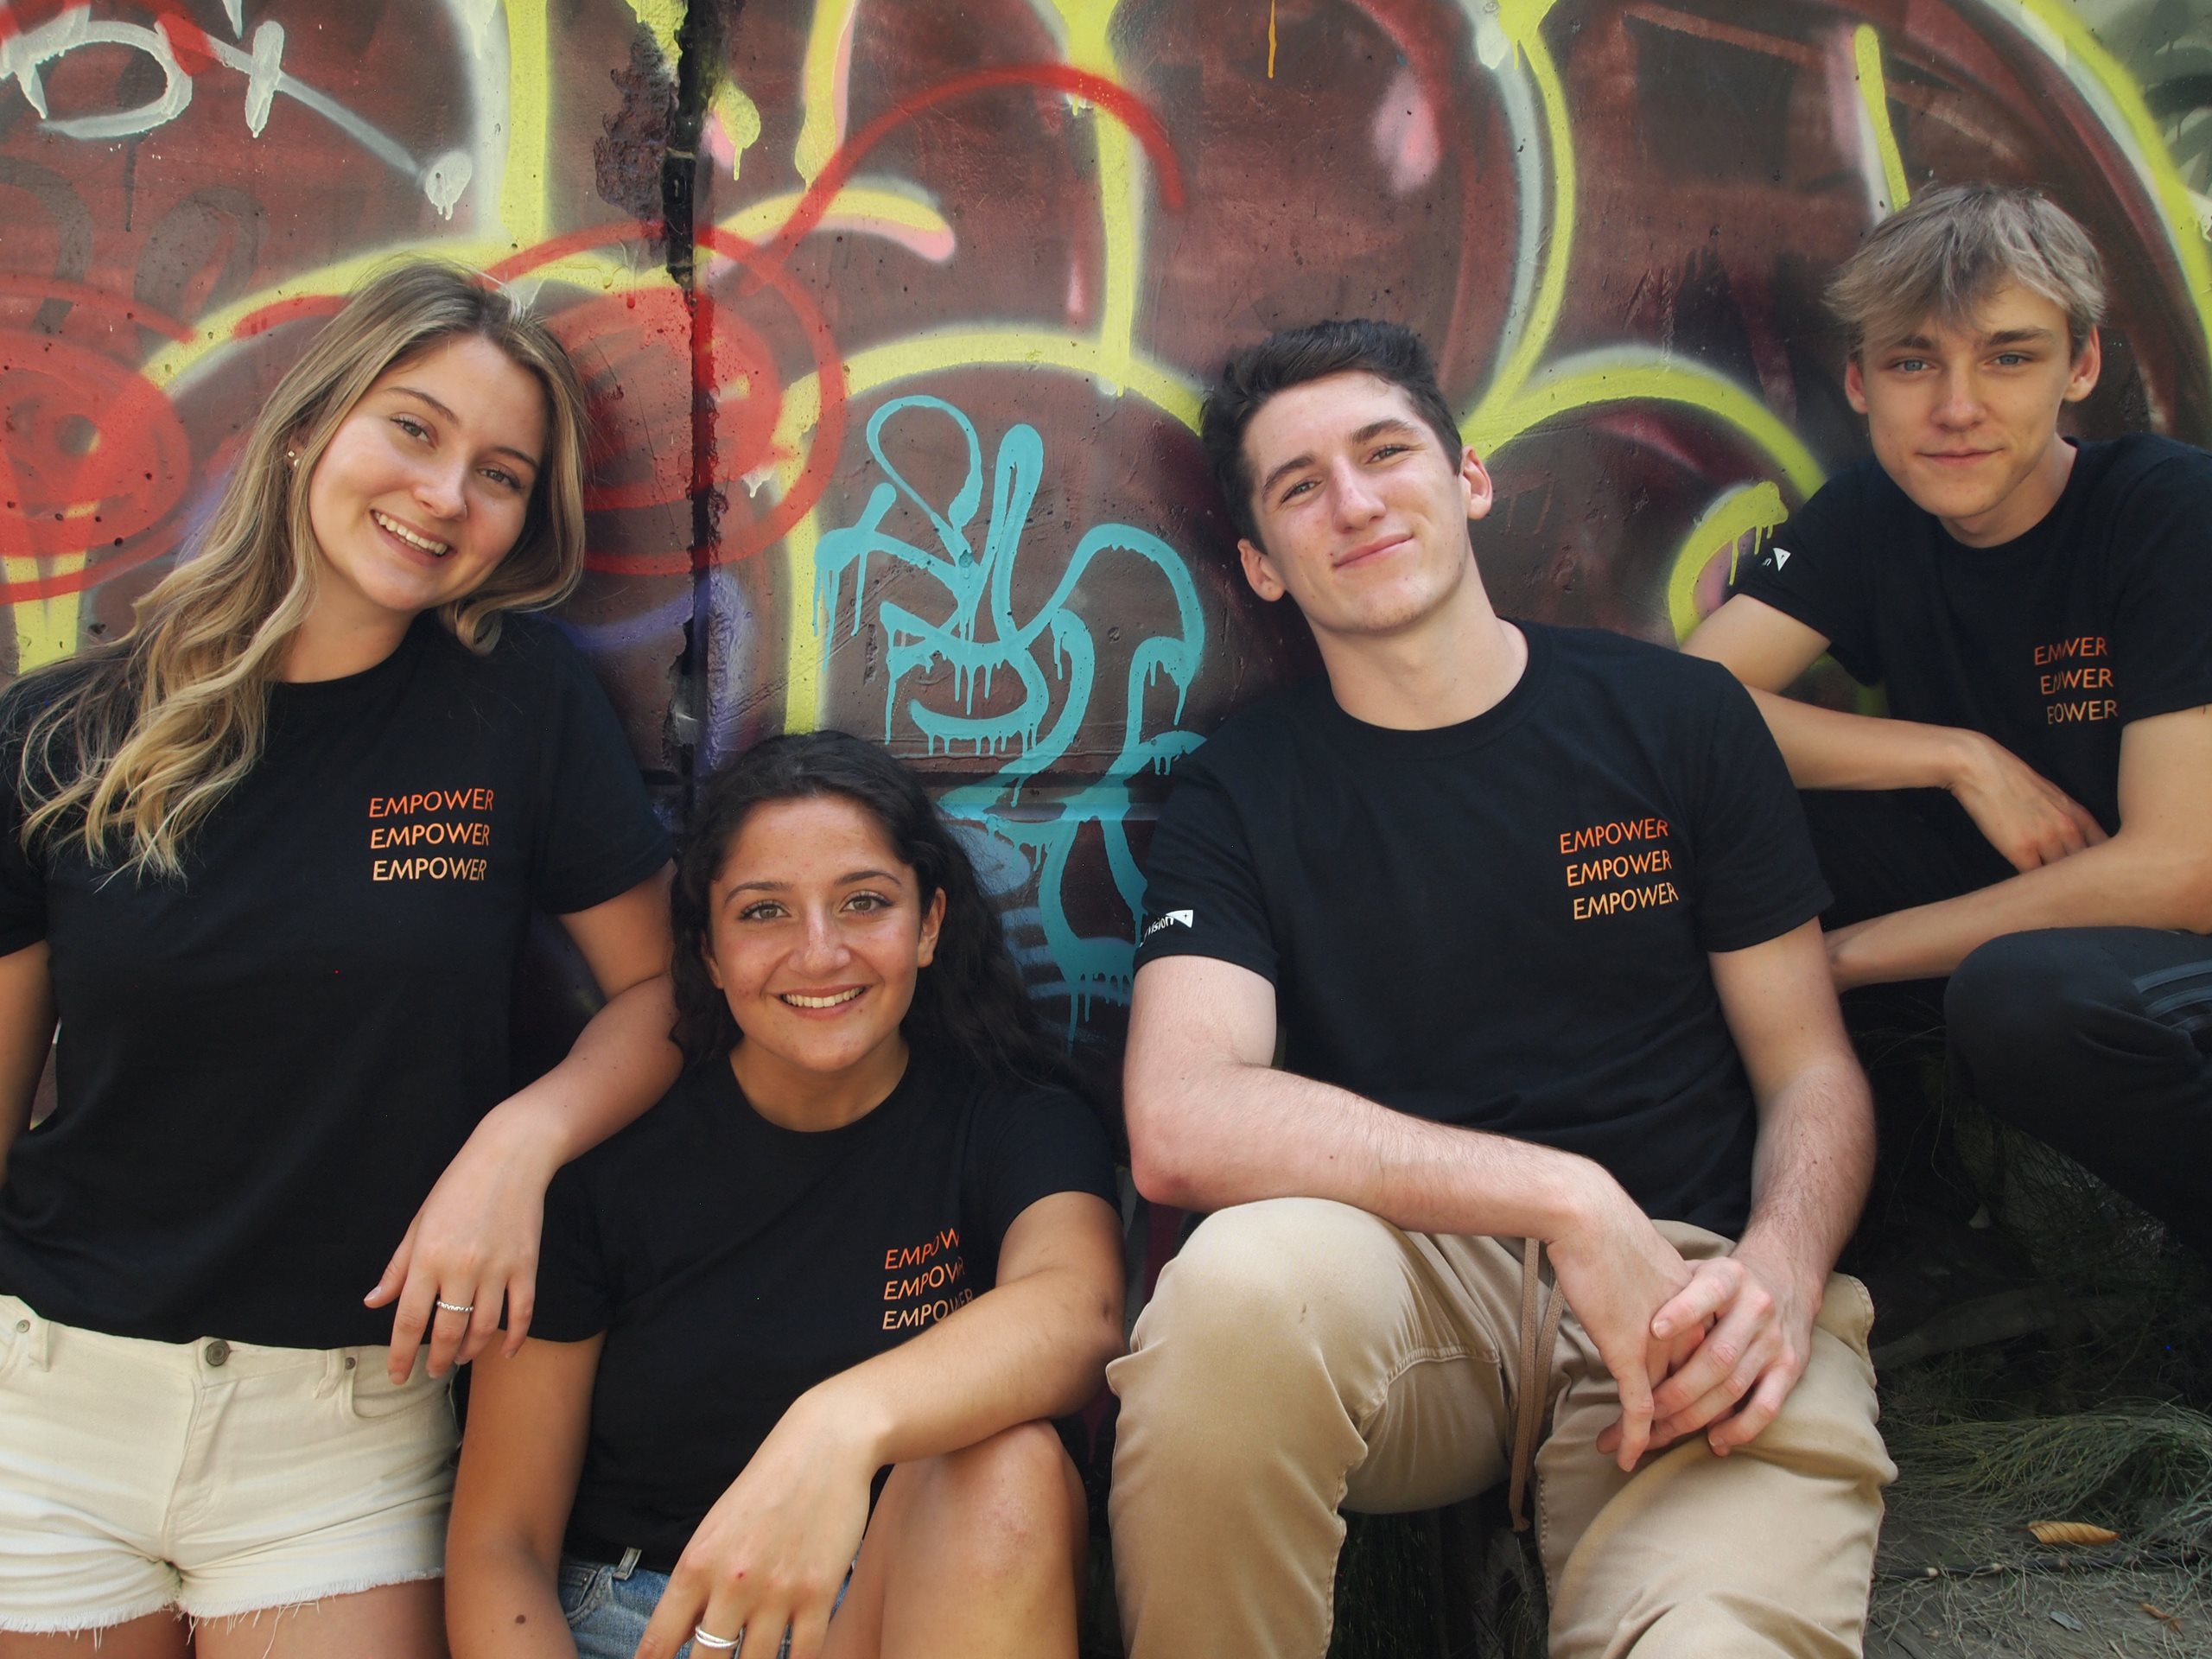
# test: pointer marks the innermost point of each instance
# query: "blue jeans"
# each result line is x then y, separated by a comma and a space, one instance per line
608, 1607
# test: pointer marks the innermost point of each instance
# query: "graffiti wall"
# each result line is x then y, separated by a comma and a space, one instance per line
895, 314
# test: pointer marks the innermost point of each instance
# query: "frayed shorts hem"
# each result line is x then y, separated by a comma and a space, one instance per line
203, 1611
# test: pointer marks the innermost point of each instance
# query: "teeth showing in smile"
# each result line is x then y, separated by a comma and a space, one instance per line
799, 1002
435, 550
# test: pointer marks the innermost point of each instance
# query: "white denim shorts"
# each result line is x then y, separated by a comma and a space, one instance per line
216, 1478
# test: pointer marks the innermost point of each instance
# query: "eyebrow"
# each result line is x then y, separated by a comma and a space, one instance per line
2002, 337
1373, 429
422, 396
847, 879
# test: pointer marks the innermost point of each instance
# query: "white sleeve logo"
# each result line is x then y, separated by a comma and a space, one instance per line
1781, 557
1172, 918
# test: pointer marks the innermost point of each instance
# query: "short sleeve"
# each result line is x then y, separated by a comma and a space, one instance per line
1202, 890
575, 1295
595, 836
1757, 876
2161, 603
22, 874
1817, 569
1027, 1144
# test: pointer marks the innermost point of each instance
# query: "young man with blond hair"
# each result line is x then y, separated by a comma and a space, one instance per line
1532, 913
2033, 822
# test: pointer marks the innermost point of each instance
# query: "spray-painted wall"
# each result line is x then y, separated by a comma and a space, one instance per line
895, 313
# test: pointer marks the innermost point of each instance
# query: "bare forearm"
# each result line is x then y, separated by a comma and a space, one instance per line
1036, 1348
26, 1035
1223, 1133
621, 1064
1811, 1171
1825, 748
502, 1603
2123, 882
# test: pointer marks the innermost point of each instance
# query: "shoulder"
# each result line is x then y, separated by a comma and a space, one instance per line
1622, 663
33, 693
1854, 498
2145, 463
669, 1130
532, 649
1256, 740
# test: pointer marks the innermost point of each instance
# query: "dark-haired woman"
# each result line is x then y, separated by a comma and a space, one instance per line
270, 859
865, 1231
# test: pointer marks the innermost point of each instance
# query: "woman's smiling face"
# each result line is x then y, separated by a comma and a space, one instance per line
817, 930
426, 483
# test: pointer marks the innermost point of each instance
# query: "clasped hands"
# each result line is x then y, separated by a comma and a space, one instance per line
1724, 1342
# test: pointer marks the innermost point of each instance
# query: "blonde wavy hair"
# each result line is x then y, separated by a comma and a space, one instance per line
128, 748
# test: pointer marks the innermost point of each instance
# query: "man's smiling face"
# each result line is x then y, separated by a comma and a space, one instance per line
1965, 417
1362, 514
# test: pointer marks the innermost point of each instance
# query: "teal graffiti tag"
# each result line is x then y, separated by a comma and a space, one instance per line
981, 638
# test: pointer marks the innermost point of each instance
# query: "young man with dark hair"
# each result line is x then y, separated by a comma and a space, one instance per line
2034, 822
1531, 911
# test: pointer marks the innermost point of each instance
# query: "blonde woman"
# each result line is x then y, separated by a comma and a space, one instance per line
269, 861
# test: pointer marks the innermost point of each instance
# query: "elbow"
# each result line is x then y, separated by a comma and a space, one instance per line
2192, 891
1159, 1160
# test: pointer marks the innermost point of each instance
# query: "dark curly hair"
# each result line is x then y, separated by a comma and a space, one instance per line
968, 1003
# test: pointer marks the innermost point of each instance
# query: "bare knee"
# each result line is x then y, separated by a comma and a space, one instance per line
1011, 1507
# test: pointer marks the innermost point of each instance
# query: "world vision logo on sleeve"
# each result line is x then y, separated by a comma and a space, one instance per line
1618, 866
432, 835
1172, 918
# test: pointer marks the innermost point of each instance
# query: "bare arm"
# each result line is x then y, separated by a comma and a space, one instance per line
2156, 872
474, 1241
1809, 1176
2024, 816
26, 1034
774, 1548
1212, 1124
529, 1414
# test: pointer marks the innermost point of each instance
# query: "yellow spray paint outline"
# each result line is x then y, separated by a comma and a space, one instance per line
1753, 508
1874, 96
1109, 357
2067, 42
1519, 397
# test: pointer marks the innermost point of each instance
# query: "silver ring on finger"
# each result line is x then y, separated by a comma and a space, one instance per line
701, 1637
457, 1307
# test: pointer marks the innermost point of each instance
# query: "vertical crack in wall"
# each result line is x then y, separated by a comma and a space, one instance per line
699, 40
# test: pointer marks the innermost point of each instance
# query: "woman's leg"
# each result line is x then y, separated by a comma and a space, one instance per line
976, 1554
394, 1621
157, 1635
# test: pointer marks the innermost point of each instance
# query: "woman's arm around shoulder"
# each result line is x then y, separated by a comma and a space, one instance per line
474, 1244
529, 1414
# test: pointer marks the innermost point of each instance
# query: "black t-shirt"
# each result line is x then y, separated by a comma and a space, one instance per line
2049, 643
1503, 924
263, 1067
732, 1264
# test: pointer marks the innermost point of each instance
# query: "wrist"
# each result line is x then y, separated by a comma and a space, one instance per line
846, 1424
1962, 757
517, 1134
1583, 1197
1780, 1268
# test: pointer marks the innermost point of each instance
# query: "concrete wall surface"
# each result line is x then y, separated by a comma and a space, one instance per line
895, 313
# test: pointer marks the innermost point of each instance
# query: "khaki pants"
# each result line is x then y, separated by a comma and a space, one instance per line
1302, 1356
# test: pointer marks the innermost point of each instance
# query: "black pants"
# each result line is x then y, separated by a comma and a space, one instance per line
2097, 1041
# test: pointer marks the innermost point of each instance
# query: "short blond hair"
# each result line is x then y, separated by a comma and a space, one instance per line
1943, 257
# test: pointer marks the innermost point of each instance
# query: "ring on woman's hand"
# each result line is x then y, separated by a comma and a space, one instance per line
700, 1638
458, 1307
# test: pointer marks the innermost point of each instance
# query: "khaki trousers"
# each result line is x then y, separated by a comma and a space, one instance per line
1301, 1357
